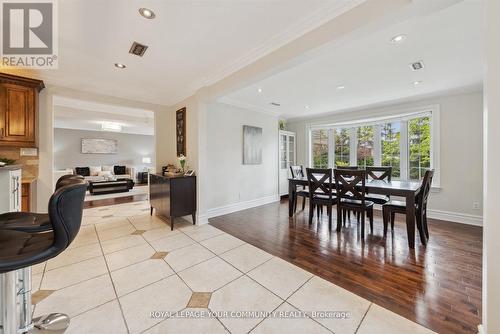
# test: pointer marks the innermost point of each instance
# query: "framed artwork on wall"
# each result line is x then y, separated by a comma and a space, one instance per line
180, 131
99, 146
252, 145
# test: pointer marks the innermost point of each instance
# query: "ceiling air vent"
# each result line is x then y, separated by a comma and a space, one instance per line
418, 65
138, 49
275, 104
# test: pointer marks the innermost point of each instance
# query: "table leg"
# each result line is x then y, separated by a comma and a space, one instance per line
410, 219
291, 197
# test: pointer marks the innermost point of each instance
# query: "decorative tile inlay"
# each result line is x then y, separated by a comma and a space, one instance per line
40, 295
199, 300
159, 255
138, 232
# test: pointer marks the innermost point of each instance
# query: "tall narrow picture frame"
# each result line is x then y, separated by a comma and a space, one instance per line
180, 131
252, 145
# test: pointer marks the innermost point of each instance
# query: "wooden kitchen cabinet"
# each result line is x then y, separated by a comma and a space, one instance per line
18, 110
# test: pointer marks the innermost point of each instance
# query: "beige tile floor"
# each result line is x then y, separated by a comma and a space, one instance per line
124, 265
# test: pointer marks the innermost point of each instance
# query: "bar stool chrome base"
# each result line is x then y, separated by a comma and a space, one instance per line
15, 289
54, 323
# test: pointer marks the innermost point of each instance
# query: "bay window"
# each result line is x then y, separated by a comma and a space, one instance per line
406, 142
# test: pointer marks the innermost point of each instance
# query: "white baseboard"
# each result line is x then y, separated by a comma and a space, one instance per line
456, 217
223, 210
202, 219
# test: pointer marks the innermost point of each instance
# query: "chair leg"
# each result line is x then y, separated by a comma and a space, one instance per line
363, 226
329, 207
357, 216
370, 214
423, 237
393, 217
318, 208
311, 212
344, 216
339, 217
303, 203
424, 221
295, 204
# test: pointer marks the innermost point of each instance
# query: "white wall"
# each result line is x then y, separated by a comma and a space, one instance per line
491, 231
232, 185
131, 149
460, 150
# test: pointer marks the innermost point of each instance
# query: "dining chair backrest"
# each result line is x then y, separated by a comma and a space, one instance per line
425, 189
348, 167
297, 171
350, 184
320, 180
379, 173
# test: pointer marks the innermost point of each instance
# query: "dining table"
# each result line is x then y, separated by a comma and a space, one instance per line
407, 189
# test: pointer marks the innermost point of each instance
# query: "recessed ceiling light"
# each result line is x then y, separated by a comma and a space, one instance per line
120, 65
259, 90
416, 83
147, 13
398, 39
307, 107
340, 87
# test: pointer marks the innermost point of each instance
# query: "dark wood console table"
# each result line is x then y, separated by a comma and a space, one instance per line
173, 197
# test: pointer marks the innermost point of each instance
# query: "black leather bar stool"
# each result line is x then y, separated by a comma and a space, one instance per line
34, 222
19, 250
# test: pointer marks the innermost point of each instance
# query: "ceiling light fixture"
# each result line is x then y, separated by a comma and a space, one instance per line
259, 90
147, 13
110, 126
416, 83
307, 107
398, 39
340, 87
120, 65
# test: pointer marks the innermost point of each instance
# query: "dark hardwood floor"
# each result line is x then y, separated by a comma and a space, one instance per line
438, 287
116, 200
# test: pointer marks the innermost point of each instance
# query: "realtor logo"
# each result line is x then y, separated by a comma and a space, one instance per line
29, 36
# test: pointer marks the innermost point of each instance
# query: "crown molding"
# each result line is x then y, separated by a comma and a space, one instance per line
248, 106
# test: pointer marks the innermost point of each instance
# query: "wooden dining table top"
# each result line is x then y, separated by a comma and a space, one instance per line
397, 186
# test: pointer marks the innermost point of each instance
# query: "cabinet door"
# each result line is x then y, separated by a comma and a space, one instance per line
17, 115
291, 150
283, 151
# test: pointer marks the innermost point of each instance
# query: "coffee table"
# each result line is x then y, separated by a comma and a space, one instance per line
110, 187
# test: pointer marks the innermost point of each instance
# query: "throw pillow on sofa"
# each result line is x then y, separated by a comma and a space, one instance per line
107, 168
83, 171
94, 170
120, 170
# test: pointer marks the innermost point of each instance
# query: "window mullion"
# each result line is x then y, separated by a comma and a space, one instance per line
353, 144
331, 148
403, 151
377, 146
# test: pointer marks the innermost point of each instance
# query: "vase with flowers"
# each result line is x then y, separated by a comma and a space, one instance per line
182, 161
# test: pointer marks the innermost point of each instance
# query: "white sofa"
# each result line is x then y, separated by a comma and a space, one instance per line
103, 173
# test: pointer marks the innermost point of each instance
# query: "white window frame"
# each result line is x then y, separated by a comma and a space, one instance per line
401, 115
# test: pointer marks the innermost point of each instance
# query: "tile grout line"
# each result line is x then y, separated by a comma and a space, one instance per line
363, 319
113, 283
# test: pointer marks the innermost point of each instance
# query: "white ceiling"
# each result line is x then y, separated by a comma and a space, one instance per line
374, 70
84, 115
191, 43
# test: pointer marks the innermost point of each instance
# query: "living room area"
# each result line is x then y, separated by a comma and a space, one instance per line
110, 146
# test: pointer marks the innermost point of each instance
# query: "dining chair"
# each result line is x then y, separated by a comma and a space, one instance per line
346, 214
320, 182
378, 173
390, 209
351, 194
298, 171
